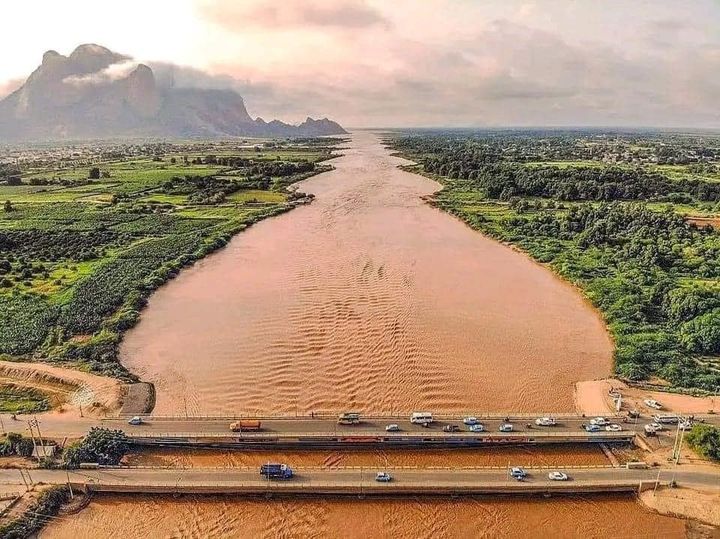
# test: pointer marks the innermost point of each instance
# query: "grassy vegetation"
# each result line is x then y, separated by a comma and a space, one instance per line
705, 439
37, 515
654, 277
15, 399
79, 256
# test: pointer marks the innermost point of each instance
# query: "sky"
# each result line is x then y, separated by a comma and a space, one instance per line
385, 63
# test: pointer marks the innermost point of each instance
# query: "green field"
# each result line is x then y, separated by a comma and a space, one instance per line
79, 257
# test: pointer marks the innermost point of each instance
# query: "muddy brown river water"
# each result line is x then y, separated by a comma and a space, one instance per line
367, 299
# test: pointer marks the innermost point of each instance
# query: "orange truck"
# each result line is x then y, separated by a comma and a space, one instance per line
245, 425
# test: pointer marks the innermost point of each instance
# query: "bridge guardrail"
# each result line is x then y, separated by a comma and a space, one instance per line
369, 467
400, 416
371, 436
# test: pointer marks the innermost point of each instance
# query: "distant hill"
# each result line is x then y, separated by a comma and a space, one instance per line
97, 93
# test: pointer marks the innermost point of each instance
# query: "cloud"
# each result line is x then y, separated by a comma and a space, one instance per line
111, 73
274, 15
9, 86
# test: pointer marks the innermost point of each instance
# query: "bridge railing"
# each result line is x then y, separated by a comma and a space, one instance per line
371, 436
400, 416
330, 469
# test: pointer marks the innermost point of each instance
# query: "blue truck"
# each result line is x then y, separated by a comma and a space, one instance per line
276, 471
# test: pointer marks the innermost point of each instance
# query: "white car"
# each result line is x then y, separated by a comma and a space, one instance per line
137, 420
657, 426
477, 427
470, 420
652, 403
517, 472
545, 422
383, 477
558, 476
685, 425
506, 427
600, 421
393, 427
613, 428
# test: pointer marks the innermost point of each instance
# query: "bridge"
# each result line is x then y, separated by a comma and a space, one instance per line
358, 481
277, 432
324, 431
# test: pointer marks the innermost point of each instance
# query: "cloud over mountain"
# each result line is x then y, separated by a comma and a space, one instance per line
95, 92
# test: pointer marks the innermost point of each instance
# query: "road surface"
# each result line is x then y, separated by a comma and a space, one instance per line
361, 480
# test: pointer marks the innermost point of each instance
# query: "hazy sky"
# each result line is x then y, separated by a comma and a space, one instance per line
408, 62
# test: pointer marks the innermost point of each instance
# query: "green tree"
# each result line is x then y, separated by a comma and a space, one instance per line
104, 446
705, 439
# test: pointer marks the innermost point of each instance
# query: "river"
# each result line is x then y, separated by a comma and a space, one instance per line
367, 299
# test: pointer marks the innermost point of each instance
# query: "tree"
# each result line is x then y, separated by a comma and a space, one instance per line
94, 173
705, 439
8, 206
103, 446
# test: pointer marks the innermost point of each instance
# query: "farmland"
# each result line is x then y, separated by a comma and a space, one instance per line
88, 232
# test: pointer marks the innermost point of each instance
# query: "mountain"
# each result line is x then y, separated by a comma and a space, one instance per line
97, 93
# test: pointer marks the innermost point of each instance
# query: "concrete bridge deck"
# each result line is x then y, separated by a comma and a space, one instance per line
314, 432
353, 481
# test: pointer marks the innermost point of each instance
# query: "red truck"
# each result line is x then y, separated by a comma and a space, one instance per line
245, 425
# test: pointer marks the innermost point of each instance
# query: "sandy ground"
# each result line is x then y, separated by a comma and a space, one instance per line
700, 505
592, 397
69, 389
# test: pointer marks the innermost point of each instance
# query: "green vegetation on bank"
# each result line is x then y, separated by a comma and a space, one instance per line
101, 446
705, 439
15, 399
37, 515
655, 277
88, 233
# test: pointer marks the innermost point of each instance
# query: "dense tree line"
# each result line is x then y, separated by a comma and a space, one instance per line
506, 180
652, 274
648, 272
564, 145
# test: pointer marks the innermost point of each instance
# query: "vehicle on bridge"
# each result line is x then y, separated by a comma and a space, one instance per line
592, 428
137, 420
518, 473
470, 420
600, 421
421, 418
652, 403
451, 428
545, 422
506, 427
666, 419
392, 427
383, 477
349, 418
276, 471
477, 427
685, 424
246, 425
558, 476
614, 427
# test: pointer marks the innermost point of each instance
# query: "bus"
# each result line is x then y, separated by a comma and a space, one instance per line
421, 418
349, 418
666, 418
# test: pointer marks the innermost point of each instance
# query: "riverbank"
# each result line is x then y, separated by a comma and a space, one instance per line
593, 397
74, 392
703, 506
